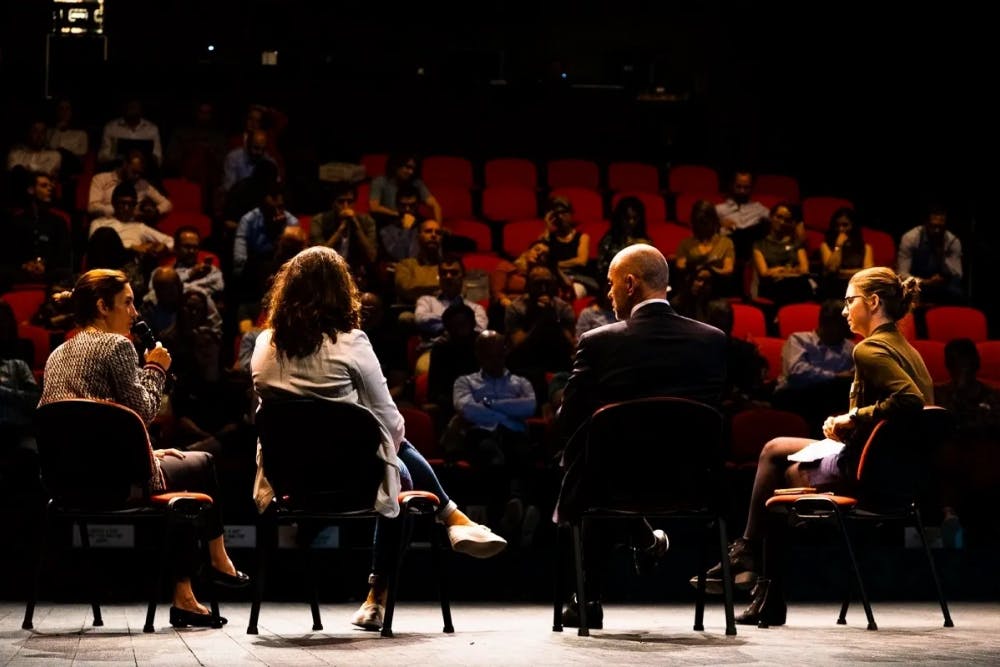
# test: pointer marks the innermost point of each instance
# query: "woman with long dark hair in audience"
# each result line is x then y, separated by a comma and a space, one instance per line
313, 347
843, 252
100, 362
890, 382
628, 226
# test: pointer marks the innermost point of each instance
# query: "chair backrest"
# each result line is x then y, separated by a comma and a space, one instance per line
795, 317
947, 322
817, 211
899, 458
518, 235
770, 348
883, 246
91, 452
573, 173
633, 176
692, 178
932, 352
321, 450
420, 431
509, 202
751, 429
510, 171
667, 237
374, 164
588, 205
684, 201
185, 195
661, 467
455, 201
989, 360
438, 170
748, 321
786, 188
24, 303
476, 230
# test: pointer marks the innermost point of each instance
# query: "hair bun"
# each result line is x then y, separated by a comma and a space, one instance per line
909, 290
62, 297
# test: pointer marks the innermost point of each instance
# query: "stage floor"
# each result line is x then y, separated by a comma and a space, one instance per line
505, 634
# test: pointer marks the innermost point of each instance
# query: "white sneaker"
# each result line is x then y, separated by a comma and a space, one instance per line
368, 616
476, 540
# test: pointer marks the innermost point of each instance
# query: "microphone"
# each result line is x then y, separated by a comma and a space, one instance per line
145, 335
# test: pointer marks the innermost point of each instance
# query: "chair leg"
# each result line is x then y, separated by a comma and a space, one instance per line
94, 603
39, 553
267, 539
314, 586
727, 579
857, 571
930, 562
390, 598
440, 556
581, 598
699, 604
558, 574
156, 581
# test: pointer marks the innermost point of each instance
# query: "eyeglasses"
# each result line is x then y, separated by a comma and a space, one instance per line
849, 299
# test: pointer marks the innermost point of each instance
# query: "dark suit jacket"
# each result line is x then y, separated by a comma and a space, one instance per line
655, 353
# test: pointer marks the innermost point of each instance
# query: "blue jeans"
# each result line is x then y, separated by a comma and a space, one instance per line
414, 473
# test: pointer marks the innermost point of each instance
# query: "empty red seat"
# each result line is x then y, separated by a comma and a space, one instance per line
588, 205
989, 360
785, 188
509, 202
667, 237
455, 201
633, 176
883, 246
932, 352
573, 173
438, 170
692, 178
374, 164
748, 321
185, 195
817, 211
179, 218
478, 231
795, 317
518, 235
947, 322
510, 171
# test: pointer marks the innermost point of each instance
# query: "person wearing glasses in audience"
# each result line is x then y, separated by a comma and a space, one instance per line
890, 382
348, 231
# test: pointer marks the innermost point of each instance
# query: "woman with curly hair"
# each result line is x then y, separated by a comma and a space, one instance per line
313, 346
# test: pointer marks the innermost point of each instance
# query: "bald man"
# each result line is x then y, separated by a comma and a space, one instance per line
649, 351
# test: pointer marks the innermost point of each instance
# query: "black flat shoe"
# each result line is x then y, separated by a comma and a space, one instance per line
238, 580
182, 618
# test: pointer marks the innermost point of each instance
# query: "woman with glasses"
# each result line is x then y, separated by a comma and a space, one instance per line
890, 382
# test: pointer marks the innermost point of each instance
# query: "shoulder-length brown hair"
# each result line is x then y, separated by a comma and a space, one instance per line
312, 294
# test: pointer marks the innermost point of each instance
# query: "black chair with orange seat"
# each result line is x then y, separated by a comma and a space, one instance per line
677, 477
94, 456
895, 471
320, 458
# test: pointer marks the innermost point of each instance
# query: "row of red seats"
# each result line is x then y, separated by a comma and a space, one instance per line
944, 323
620, 175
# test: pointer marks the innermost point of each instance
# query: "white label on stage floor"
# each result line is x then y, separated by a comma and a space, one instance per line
107, 536
241, 536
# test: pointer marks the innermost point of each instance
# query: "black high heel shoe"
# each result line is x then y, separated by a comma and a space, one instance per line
182, 618
219, 578
767, 607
